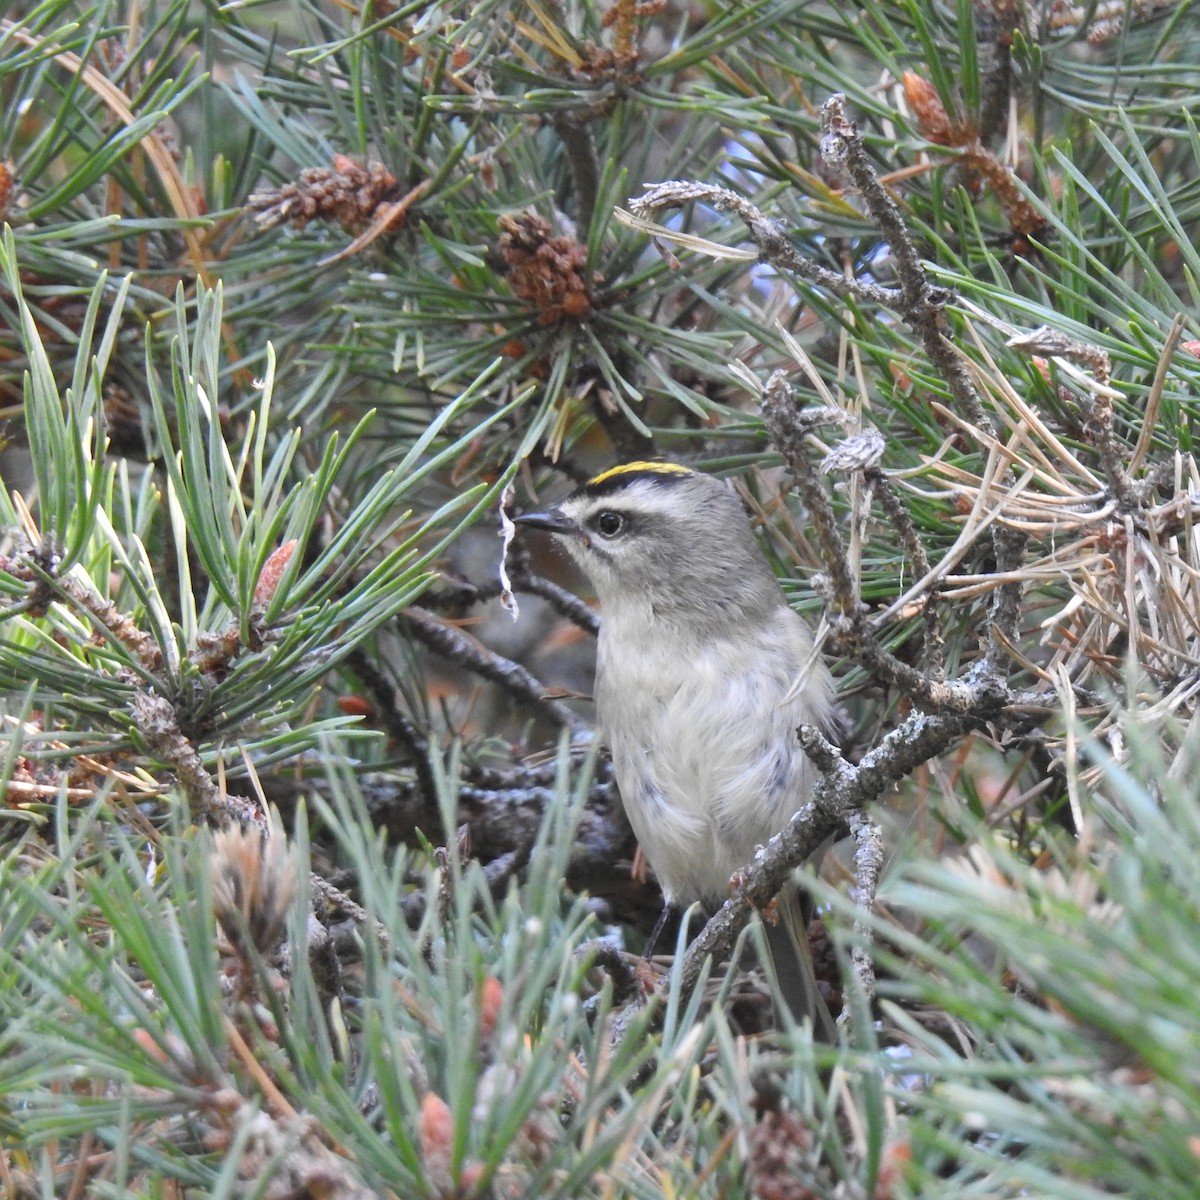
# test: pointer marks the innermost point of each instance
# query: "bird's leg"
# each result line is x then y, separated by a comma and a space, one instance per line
663, 916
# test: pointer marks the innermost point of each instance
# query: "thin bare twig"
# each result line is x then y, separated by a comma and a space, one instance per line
848, 618
919, 302
774, 246
901, 521
566, 603
458, 596
334, 897
1155, 395
788, 429
580, 145
563, 602
1004, 615
1096, 406
398, 726
461, 648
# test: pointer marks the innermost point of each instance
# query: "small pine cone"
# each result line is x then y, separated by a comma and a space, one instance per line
347, 192
546, 272
778, 1166
522, 235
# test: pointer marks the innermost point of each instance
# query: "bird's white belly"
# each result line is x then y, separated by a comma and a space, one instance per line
725, 771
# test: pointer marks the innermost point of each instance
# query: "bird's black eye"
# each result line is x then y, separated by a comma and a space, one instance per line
608, 524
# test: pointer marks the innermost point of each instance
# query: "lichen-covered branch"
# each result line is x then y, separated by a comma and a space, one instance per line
774, 246
788, 430
158, 724
919, 302
839, 804
847, 615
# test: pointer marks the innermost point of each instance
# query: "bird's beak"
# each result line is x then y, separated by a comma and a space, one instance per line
553, 520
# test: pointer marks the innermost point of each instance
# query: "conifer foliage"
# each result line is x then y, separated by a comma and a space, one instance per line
313, 880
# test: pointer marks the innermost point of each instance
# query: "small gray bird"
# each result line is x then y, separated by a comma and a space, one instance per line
703, 673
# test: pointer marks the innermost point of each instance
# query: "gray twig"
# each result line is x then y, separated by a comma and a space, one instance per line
1098, 426
333, 897
840, 800
774, 246
847, 617
1004, 614
919, 302
788, 429
460, 648
901, 521
868, 862
459, 595
566, 603
757, 886
399, 727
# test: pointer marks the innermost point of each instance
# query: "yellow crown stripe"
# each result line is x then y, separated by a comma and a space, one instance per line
630, 468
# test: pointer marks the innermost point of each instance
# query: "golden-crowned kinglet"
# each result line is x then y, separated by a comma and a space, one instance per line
703, 673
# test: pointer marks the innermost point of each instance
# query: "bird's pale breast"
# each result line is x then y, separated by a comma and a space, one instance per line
726, 772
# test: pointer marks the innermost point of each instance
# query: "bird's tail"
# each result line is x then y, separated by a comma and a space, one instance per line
787, 941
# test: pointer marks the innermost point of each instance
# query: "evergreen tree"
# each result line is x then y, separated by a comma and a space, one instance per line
298, 298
